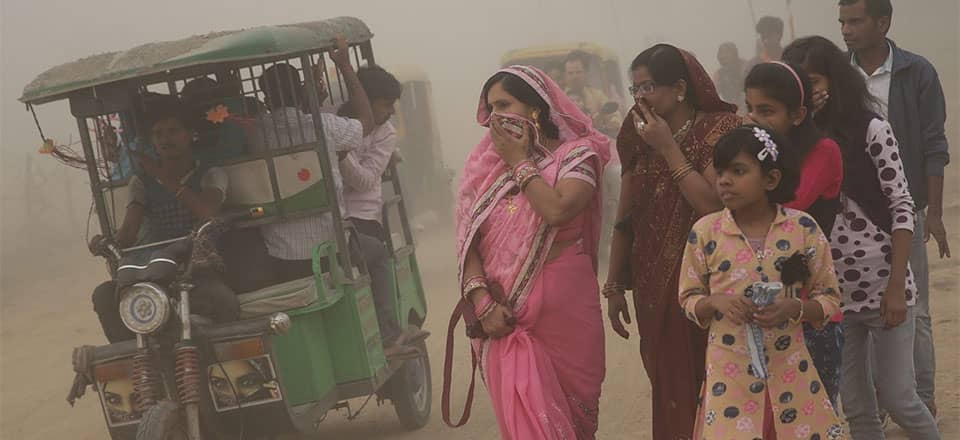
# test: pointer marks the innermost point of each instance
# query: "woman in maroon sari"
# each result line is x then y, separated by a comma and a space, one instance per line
666, 147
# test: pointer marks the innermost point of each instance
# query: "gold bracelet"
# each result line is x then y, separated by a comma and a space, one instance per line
799, 318
611, 289
682, 171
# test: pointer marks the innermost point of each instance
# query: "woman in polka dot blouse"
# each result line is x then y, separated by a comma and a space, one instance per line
754, 240
871, 245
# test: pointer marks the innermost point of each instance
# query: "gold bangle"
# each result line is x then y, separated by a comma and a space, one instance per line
799, 318
682, 171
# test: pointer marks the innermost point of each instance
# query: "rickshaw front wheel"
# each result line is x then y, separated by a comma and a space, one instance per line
163, 421
411, 391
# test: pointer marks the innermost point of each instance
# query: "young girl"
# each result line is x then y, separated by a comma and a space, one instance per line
754, 240
871, 243
780, 96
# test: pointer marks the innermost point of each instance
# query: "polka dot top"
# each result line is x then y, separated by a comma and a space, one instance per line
862, 251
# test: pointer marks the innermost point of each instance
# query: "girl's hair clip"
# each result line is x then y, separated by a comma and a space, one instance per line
769, 146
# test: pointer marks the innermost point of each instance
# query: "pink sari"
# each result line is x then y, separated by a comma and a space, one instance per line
544, 378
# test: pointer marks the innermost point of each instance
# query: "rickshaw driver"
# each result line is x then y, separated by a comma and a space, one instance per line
290, 243
172, 195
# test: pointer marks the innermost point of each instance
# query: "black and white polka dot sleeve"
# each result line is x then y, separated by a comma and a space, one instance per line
885, 153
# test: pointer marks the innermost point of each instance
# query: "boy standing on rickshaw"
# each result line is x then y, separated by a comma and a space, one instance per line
290, 243
170, 196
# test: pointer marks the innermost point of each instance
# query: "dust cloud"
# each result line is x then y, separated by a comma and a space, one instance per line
45, 205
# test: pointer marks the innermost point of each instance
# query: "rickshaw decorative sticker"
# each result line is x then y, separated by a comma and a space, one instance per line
117, 394
243, 382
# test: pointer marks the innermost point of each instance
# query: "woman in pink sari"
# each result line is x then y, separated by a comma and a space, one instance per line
528, 222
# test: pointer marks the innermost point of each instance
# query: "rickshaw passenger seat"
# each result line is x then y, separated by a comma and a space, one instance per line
278, 298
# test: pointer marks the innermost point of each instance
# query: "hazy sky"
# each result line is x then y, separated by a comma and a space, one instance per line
457, 43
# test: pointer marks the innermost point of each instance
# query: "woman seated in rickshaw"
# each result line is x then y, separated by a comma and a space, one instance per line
170, 196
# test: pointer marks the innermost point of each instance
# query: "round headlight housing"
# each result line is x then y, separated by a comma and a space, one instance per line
144, 308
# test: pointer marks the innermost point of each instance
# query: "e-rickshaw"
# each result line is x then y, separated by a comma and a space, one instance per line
302, 348
606, 75
426, 179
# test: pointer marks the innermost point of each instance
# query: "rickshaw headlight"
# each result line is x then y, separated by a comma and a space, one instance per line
144, 308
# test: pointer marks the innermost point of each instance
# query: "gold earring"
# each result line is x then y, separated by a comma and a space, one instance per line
536, 119
679, 98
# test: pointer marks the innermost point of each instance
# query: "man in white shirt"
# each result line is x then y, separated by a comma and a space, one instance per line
290, 243
363, 168
362, 171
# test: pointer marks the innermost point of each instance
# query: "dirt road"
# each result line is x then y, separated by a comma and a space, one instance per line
42, 320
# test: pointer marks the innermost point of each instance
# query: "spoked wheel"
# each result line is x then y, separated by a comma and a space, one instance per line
164, 421
411, 391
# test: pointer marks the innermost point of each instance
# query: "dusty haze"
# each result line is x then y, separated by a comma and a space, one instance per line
46, 275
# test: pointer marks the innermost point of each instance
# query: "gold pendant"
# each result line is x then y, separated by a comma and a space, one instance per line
511, 207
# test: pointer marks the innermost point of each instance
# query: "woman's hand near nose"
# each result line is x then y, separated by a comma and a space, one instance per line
511, 149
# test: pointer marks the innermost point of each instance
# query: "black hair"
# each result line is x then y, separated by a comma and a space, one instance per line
667, 67
519, 89
770, 25
281, 85
875, 8
744, 140
848, 111
578, 55
779, 83
379, 84
164, 107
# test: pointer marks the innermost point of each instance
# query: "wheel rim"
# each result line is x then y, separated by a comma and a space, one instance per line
418, 378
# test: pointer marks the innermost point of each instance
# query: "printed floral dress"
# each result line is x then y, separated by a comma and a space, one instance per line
718, 260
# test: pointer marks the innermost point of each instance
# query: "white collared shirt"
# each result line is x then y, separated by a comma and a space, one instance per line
363, 170
878, 83
286, 127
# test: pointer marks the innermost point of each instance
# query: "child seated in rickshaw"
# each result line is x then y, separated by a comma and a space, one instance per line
170, 196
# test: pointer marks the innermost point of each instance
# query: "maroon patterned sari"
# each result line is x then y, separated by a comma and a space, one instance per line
672, 347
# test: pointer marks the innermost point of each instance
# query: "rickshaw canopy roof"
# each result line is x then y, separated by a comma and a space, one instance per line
217, 47
555, 51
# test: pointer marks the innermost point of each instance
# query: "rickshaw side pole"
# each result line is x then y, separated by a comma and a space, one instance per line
94, 175
325, 164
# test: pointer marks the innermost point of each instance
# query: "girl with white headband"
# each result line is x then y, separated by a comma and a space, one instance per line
742, 274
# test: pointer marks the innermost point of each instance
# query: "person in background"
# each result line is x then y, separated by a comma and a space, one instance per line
909, 95
576, 75
666, 151
770, 41
729, 77
555, 71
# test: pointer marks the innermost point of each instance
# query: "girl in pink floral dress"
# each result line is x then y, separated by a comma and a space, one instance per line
756, 354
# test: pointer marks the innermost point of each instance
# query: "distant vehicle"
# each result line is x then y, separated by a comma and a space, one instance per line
426, 179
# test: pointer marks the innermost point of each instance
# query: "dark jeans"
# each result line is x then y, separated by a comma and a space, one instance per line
211, 298
375, 255
826, 349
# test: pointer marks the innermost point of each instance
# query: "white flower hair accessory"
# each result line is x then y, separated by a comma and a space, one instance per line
769, 146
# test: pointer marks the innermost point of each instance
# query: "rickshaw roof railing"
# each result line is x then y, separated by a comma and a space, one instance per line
556, 51
217, 47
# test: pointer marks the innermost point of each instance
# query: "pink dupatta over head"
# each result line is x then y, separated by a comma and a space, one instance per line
544, 382
523, 238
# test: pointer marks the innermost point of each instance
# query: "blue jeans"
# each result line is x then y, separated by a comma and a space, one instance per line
894, 370
924, 358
